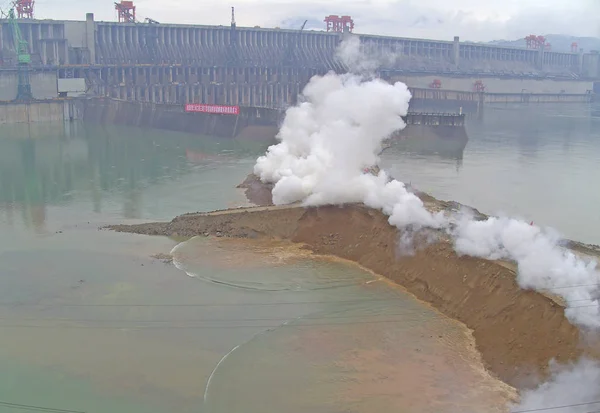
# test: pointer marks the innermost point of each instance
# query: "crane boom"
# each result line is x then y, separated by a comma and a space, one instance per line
21, 46
23, 60
293, 43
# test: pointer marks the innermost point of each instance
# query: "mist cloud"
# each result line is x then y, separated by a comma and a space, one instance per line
337, 131
328, 141
431, 19
574, 386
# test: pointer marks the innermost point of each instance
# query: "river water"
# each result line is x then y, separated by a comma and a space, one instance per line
539, 163
92, 322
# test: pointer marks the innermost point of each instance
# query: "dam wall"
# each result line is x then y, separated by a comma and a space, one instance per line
537, 98
43, 111
88, 42
259, 67
440, 100
43, 84
496, 84
250, 123
278, 87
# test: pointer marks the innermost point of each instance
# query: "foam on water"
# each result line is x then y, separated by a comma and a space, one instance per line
255, 265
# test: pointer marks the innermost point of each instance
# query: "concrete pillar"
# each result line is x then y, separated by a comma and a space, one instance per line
540, 63
591, 64
456, 51
55, 56
44, 48
30, 42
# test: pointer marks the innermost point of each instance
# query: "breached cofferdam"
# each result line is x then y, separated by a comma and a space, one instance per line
517, 331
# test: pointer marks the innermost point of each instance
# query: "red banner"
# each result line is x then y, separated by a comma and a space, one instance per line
219, 109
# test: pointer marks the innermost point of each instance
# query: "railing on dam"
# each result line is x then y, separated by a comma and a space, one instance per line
411, 118
435, 119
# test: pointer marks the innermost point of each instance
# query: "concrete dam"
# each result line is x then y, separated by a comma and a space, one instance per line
258, 67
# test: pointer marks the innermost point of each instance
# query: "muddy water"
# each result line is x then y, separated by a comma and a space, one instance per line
347, 340
90, 321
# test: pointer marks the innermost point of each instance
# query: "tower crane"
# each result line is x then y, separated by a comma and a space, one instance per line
293, 43
232, 49
23, 59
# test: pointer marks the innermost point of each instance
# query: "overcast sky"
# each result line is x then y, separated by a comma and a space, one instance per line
477, 20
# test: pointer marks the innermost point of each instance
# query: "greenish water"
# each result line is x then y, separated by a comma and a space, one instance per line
91, 322
538, 162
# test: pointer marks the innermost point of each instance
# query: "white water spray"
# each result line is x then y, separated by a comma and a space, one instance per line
571, 389
329, 139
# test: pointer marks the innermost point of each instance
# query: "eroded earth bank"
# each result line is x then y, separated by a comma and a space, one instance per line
517, 332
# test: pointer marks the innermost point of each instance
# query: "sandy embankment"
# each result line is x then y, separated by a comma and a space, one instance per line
517, 332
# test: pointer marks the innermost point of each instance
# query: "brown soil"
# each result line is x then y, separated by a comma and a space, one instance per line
165, 258
257, 192
517, 332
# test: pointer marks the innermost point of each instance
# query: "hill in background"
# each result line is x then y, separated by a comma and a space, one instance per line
559, 42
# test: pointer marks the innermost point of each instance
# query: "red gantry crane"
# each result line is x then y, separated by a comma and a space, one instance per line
339, 24
24, 9
126, 11
537, 42
436, 84
574, 47
478, 86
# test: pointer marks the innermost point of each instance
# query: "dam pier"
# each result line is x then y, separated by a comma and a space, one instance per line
173, 64
247, 122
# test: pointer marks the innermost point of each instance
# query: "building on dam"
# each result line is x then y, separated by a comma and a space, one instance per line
170, 63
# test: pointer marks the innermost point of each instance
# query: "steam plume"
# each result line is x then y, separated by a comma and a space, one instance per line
329, 139
576, 387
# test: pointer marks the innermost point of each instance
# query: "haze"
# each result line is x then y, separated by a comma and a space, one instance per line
438, 19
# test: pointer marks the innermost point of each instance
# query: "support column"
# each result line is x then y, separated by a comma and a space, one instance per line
540, 62
456, 51
591, 64
44, 47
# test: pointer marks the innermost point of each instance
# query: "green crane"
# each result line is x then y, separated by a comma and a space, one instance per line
23, 60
